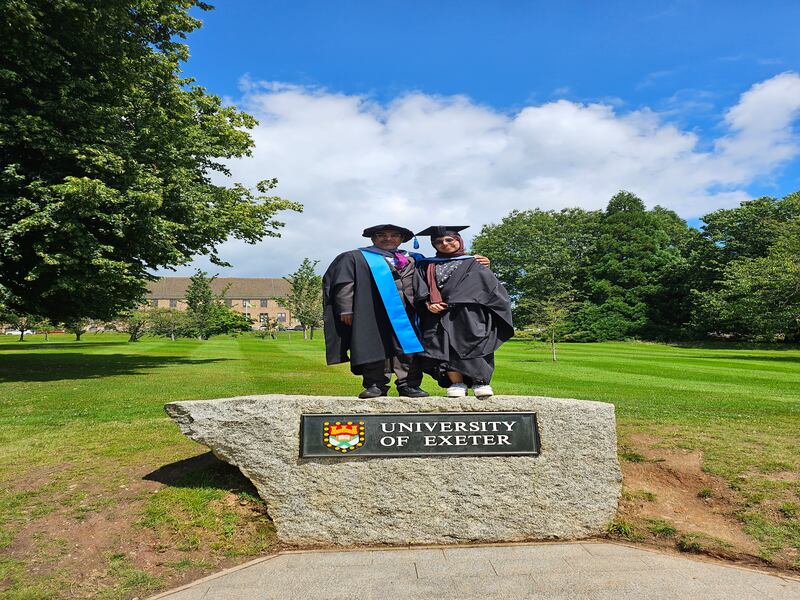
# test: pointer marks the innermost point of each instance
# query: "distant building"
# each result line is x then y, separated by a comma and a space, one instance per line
251, 296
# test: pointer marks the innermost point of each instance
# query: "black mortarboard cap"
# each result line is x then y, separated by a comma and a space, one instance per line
370, 231
441, 230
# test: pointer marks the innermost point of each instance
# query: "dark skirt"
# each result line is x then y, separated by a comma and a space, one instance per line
474, 370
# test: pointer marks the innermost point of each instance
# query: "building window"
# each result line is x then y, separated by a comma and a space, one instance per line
246, 303
173, 304
154, 302
281, 318
263, 318
263, 303
228, 302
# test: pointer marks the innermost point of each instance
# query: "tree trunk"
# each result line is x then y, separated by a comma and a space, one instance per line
553, 345
21, 335
305, 332
78, 335
312, 332
46, 335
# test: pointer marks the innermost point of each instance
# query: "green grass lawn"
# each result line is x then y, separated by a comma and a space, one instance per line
81, 421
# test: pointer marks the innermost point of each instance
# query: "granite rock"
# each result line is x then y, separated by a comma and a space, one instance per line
569, 491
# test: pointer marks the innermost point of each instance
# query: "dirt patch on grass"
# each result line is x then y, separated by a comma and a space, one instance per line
673, 503
92, 542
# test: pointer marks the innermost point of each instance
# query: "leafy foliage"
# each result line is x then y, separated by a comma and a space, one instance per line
638, 273
624, 268
552, 314
758, 296
107, 156
631, 258
22, 322
169, 322
77, 327
135, 324
304, 299
539, 254
751, 229
207, 315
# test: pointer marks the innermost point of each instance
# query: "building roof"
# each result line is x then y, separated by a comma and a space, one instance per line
174, 288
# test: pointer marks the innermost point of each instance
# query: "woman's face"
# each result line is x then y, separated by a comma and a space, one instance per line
446, 244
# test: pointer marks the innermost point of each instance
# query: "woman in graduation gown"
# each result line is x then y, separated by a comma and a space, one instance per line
464, 313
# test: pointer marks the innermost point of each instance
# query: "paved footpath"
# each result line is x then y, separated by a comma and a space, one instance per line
572, 571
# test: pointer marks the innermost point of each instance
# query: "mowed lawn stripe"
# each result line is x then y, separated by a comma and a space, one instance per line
292, 365
650, 378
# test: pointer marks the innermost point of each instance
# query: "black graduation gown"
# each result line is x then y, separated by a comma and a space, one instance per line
371, 338
476, 323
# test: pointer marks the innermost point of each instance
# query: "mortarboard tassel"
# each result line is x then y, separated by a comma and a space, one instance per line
416, 243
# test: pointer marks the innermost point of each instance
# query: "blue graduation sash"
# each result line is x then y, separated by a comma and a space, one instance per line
392, 302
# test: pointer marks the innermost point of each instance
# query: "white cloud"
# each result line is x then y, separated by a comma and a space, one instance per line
761, 127
423, 159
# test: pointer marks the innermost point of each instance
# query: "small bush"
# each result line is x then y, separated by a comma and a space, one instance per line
623, 529
631, 456
705, 493
689, 542
661, 528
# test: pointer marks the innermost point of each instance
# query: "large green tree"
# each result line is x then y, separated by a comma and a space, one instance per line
750, 229
22, 322
635, 261
539, 255
169, 322
207, 313
740, 277
758, 297
304, 299
623, 269
107, 155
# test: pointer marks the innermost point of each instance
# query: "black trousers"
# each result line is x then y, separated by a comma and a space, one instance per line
406, 367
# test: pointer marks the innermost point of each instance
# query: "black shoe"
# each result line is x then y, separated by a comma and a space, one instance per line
412, 392
373, 391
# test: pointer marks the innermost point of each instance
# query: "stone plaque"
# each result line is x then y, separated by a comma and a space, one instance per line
568, 491
418, 434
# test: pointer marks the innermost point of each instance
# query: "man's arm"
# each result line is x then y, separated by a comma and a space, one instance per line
339, 281
343, 302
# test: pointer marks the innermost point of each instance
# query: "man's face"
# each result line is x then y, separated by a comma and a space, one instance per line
387, 239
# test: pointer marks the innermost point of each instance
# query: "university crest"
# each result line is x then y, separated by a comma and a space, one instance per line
343, 437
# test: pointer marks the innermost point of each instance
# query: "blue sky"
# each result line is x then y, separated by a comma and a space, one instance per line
692, 87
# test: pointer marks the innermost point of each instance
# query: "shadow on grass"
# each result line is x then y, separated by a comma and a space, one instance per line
735, 357
17, 346
531, 360
719, 345
56, 366
203, 471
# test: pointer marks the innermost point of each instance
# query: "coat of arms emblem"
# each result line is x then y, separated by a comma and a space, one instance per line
343, 437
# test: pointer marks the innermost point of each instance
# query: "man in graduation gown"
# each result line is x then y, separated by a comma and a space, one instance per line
369, 313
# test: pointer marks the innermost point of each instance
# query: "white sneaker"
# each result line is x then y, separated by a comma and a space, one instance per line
482, 391
457, 390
